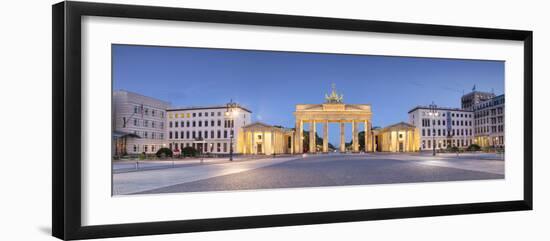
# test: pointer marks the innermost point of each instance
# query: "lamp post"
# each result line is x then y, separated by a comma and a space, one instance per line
433, 114
231, 113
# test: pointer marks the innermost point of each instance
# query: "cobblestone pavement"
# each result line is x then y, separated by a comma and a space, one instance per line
347, 169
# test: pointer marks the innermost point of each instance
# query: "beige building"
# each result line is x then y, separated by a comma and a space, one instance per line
400, 137
332, 111
260, 138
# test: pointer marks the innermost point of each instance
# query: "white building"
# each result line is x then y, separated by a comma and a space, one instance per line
138, 124
446, 128
207, 129
489, 122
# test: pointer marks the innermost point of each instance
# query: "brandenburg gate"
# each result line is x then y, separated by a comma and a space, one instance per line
332, 111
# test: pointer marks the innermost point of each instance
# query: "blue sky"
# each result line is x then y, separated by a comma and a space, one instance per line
271, 83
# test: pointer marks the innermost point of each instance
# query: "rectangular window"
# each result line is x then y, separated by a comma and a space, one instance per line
224, 134
176, 135
170, 135
224, 147
205, 134
219, 134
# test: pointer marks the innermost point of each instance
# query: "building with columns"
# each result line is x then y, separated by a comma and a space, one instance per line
260, 138
400, 137
332, 111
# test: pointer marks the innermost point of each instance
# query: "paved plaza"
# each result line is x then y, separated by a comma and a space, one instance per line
319, 170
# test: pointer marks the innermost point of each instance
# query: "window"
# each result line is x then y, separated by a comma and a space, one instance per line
135, 122
206, 122
219, 134
145, 148
205, 134
219, 122
212, 123
225, 147
170, 124
219, 147
153, 112
135, 148
187, 135
135, 112
175, 124
175, 135
193, 123
187, 123
219, 113
211, 134
181, 135
145, 134
153, 124
423, 132
206, 114
146, 111
224, 134
200, 123
193, 135
212, 113
194, 114
200, 114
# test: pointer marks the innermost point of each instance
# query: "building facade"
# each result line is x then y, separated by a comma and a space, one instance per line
400, 137
470, 100
260, 138
489, 122
210, 129
138, 123
445, 127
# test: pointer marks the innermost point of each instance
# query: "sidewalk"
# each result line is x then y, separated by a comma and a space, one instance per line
147, 165
139, 181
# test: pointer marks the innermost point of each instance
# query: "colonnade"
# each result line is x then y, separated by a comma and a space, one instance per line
299, 141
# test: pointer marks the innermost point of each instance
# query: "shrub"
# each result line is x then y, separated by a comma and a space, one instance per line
189, 151
142, 156
453, 149
164, 152
473, 147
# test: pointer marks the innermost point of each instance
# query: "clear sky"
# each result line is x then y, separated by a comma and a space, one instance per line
271, 83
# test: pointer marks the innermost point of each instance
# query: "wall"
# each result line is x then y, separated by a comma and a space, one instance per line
25, 55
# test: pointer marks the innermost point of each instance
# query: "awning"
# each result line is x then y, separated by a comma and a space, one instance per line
120, 134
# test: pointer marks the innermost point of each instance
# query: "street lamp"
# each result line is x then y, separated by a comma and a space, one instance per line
231, 113
433, 114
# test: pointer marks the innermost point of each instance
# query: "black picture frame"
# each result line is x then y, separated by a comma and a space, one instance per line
66, 128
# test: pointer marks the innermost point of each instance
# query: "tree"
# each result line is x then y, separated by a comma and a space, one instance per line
189, 151
473, 147
164, 152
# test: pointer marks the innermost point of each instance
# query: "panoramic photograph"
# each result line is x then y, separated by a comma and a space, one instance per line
189, 119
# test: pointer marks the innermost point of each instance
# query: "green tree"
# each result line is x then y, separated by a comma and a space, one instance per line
164, 152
